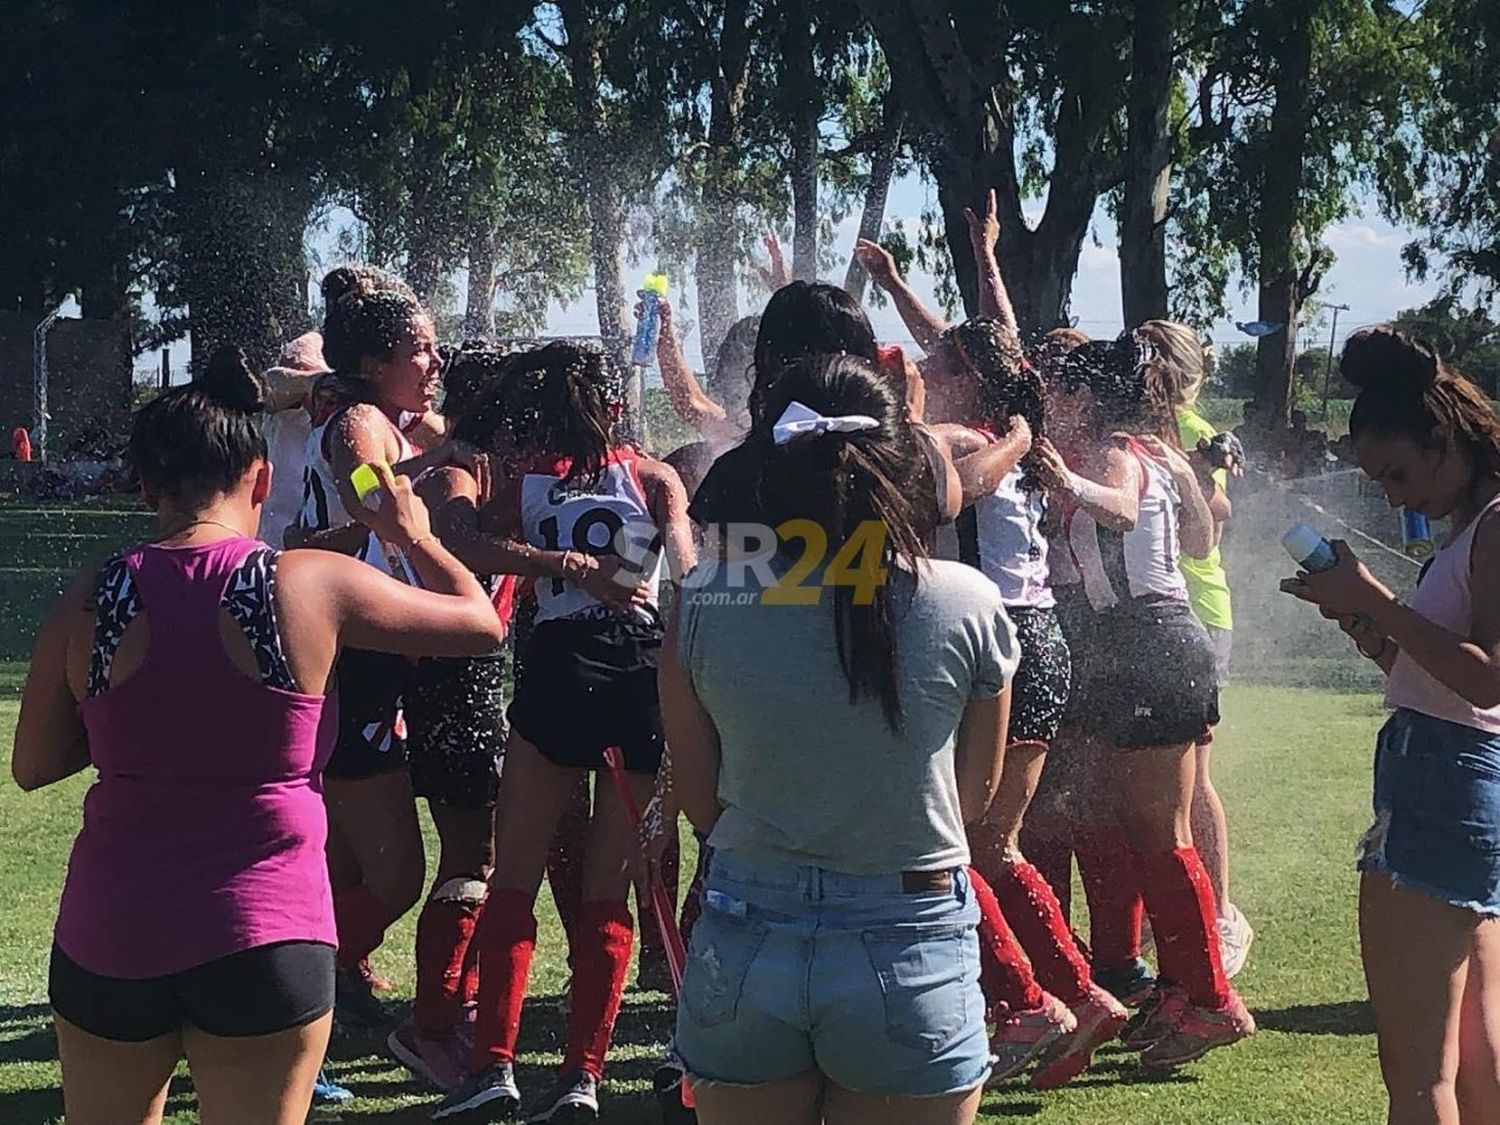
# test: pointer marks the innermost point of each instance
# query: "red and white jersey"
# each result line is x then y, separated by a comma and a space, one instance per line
604, 516
1142, 562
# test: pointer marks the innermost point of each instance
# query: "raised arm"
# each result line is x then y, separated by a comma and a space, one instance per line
984, 232
688, 398
926, 327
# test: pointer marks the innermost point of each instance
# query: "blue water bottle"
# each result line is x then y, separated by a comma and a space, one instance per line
1308, 549
648, 328
1416, 535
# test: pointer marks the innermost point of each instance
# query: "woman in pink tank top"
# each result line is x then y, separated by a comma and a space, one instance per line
1430, 888
192, 674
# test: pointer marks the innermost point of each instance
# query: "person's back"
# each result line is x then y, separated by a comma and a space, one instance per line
217, 825
770, 677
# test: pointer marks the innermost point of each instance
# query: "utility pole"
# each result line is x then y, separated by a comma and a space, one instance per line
1328, 368
39, 412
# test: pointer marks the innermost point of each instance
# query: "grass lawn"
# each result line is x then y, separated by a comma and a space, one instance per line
1293, 766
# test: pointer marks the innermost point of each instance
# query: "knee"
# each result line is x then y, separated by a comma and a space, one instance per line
399, 884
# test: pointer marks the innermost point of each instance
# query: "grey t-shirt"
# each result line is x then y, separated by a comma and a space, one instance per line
809, 777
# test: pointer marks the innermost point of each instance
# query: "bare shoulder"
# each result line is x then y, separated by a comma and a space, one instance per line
445, 483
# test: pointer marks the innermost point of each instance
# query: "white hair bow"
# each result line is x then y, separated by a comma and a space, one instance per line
798, 420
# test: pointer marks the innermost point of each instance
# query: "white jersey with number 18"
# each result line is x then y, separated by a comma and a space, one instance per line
608, 515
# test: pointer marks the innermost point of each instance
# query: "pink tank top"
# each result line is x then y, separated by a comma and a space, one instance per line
203, 835
1443, 597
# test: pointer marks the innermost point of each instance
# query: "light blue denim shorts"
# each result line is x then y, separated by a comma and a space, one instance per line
793, 968
1437, 810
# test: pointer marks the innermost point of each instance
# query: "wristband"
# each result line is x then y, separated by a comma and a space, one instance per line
419, 540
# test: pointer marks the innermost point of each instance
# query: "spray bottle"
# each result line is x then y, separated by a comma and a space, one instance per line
366, 484
648, 327
1308, 549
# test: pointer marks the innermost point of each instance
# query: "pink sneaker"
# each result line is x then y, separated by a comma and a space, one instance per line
1198, 1031
441, 1059
1100, 1017
376, 982
1021, 1036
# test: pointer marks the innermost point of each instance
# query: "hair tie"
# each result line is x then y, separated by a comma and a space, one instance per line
798, 420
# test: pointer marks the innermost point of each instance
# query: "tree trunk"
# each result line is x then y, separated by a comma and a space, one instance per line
1148, 167
802, 88
877, 191
967, 132
479, 307
591, 159
1280, 200
718, 295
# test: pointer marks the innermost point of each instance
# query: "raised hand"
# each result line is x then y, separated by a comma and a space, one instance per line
984, 230
775, 275
877, 261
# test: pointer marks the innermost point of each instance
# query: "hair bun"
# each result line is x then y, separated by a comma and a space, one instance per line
1389, 361
339, 283
231, 383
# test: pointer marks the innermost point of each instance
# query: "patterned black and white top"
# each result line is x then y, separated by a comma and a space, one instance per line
249, 598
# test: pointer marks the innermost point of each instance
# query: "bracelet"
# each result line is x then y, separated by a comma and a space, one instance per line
1385, 644
419, 540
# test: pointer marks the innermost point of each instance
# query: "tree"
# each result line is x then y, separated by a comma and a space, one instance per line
993, 92
1464, 336
1460, 158
1147, 162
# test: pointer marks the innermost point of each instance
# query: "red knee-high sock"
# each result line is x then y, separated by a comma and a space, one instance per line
565, 859
671, 870
692, 902
1054, 859
469, 986
606, 934
1032, 911
506, 936
361, 919
445, 930
1005, 975
1180, 900
1111, 877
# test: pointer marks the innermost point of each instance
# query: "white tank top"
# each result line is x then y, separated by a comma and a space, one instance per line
607, 516
1142, 562
1443, 596
323, 507
1008, 540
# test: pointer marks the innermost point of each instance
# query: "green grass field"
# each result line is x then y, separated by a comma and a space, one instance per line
1293, 766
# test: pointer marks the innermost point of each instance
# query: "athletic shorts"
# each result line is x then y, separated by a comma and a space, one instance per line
455, 729
1080, 629
1151, 681
1039, 691
369, 741
255, 992
590, 683
870, 980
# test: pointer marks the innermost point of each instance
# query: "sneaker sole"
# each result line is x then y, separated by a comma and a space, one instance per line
1077, 1053
413, 1060
1050, 1037
485, 1099
570, 1113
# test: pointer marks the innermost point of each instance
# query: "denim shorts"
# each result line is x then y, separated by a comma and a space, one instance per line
1437, 810
794, 968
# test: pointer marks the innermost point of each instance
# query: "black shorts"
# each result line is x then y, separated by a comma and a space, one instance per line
256, 992
455, 729
1039, 691
1080, 628
590, 683
1152, 681
369, 686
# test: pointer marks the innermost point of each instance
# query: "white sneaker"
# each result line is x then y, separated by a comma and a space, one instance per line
1235, 936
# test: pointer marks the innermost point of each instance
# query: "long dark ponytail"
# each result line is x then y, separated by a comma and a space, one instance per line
560, 400
841, 481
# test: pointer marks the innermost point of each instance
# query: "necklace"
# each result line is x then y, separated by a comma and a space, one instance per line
200, 523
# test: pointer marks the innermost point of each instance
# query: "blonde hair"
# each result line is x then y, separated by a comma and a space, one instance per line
1181, 353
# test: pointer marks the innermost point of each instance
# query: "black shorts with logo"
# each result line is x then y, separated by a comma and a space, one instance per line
590, 683
1152, 681
369, 741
